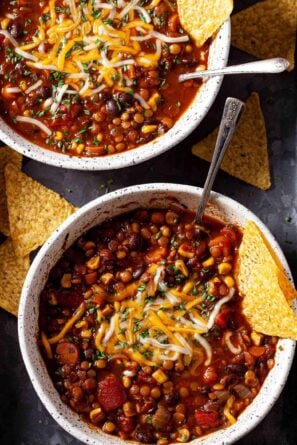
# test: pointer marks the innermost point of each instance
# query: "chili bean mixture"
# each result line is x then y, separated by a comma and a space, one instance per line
92, 79
142, 331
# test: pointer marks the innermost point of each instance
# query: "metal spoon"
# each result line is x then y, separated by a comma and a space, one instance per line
231, 115
272, 66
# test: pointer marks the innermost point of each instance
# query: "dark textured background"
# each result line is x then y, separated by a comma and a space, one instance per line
23, 419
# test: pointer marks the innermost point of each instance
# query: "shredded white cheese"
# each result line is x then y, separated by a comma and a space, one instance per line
30, 120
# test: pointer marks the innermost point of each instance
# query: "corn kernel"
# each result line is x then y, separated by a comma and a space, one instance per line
126, 382
188, 287
224, 268
229, 281
66, 280
52, 299
146, 129
160, 376
73, 145
153, 101
23, 85
5, 23
183, 435
106, 278
208, 262
129, 409
86, 333
183, 251
256, 338
27, 113
99, 137
95, 414
80, 148
93, 262
180, 265
58, 136
81, 324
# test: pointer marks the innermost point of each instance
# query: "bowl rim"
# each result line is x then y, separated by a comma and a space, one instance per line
249, 419
182, 128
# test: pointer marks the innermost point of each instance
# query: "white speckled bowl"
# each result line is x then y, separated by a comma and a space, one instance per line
107, 206
218, 57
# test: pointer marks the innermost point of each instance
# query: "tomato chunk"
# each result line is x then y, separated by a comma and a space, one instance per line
222, 318
157, 254
230, 233
111, 394
207, 419
67, 353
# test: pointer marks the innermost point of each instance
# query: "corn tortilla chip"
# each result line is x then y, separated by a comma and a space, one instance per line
13, 271
7, 155
247, 156
34, 211
263, 284
202, 18
267, 29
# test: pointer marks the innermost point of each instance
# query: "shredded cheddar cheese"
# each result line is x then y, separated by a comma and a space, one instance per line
93, 43
149, 328
68, 325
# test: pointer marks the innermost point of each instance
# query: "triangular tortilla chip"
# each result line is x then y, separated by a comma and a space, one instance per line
264, 286
13, 271
267, 29
34, 211
247, 156
202, 18
7, 155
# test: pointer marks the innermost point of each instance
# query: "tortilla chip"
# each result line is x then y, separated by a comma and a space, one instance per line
7, 155
263, 286
13, 271
34, 211
247, 156
202, 18
267, 29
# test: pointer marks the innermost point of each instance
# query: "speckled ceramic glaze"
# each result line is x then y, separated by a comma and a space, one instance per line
218, 57
111, 205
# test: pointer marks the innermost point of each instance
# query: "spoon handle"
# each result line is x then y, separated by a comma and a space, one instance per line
231, 115
272, 66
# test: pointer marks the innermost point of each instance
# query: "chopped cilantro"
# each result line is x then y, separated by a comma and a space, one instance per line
142, 287
144, 334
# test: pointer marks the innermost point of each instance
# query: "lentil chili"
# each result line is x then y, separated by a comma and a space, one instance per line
92, 79
142, 331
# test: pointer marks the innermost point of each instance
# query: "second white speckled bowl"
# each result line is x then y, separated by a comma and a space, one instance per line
218, 57
147, 195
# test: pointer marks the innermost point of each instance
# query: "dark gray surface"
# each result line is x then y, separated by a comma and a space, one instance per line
23, 419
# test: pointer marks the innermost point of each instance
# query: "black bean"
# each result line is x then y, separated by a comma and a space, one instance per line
171, 398
199, 233
125, 99
88, 353
44, 92
138, 272
31, 101
145, 433
105, 96
134, 241
16, 30
237, 368
112, 108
